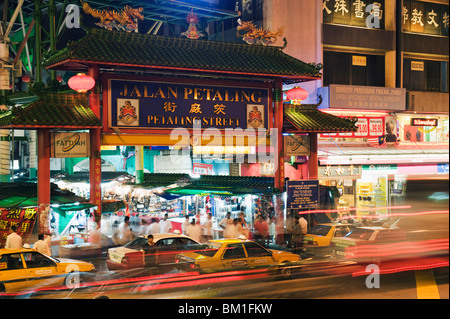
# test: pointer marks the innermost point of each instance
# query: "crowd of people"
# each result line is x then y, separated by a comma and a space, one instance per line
265, 230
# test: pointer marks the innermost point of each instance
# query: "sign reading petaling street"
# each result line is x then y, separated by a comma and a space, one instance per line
140, 103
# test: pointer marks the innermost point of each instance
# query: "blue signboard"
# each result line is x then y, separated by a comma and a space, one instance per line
443, 168
154, 104
303, 194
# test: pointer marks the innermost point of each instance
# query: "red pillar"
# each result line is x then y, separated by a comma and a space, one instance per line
43, 179
313, 160
95, 164
278, 125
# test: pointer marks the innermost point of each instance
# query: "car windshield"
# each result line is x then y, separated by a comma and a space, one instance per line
137, 242
210, 249
360, 233
321, 230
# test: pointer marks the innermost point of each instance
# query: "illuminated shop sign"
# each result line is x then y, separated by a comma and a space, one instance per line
361, 13
424, 122
366, 97
368, 127
340, 171
69, 144
297, 145
425, 17
154, 104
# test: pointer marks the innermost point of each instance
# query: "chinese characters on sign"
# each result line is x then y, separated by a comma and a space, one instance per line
154, 104
424, 17
23, 218
362, 13
339, 171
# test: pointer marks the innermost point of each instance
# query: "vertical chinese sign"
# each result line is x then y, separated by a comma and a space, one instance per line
23, 218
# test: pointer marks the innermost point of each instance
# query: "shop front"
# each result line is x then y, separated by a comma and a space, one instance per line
390, 148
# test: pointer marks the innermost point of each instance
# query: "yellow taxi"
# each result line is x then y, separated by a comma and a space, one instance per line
26, 268
226, 254
322, 234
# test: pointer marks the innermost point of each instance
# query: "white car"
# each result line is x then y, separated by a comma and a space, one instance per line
166, 246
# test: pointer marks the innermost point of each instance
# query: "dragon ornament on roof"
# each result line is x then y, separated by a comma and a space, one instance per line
125, 20
256, 35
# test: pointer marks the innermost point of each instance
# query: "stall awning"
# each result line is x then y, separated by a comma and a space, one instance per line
308, 119
70, 111
25, 195
209, 184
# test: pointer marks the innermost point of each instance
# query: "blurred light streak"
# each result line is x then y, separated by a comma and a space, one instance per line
398, 248
428, 263
343, 210
432, 212
162, 281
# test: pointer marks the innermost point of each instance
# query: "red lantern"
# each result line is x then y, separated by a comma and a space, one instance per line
26, 78
59, 78
81, 83
297, 94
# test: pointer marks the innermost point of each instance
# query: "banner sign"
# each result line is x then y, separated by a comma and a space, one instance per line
368, 127
69, 144
143, 103
303, 194
367, 97
23, 218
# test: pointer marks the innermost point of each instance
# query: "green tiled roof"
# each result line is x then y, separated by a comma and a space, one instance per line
140, 50
308, 119
52, 111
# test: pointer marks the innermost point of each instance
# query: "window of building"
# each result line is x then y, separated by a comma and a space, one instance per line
353, 69
423, 75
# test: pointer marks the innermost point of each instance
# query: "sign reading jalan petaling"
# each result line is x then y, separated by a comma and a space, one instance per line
141, 103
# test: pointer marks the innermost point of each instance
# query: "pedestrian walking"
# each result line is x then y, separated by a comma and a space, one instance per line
261, 230
195, 230
297, 234
154, 227
225, 223
149, 249
123, 233
165, 224
185, 224
207, 228
41, 246
14, 240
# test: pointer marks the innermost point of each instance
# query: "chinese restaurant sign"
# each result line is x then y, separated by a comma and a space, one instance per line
23, 218
303, 194
142, 103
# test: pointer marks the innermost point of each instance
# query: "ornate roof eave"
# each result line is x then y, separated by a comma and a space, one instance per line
78, 65
134, 50
317, 121
54, 111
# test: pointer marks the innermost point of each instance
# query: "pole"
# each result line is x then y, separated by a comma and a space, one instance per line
313, 161
278, 126
43, 179
95, 161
